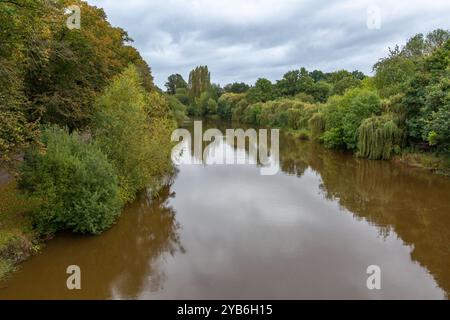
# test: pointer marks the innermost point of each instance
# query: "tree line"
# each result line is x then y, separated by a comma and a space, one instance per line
403, 107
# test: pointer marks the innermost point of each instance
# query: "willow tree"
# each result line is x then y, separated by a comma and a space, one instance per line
379, 137
317, 125
199, 82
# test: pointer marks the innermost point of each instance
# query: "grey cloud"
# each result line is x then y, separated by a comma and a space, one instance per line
241, 41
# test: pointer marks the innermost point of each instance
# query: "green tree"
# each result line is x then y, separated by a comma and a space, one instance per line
174, 82
320, 91
130, 129
393, 74
236, 87
344, 114
290, 84
199, 82
427, 101
262, 91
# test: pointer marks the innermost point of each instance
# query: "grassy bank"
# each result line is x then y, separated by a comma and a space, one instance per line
17, 239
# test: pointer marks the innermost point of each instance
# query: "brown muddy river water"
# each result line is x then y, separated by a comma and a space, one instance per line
227, 232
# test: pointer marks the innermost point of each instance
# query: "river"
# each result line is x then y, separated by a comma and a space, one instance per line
228, 232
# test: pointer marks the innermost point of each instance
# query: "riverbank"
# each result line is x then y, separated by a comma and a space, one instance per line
435, 164
323, 203
427, 161
18, 240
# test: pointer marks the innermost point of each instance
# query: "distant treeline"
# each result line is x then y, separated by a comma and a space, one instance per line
404, 106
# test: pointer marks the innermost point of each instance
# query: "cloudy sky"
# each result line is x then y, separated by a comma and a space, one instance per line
242, 40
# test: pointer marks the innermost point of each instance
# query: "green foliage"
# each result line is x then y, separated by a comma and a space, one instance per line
211, 107
333, 138
320, 91
236, 87
74, 182
177, 108
282, 113
174, 82
413, 81
262, 91
14, 133
227, 103
290, 84
379, 137
344, 114
438, 129
427, 101
343, 80
50, 74
199, 82
393, 73
182, 95
215, 91
317, 125
304, 97
125, 130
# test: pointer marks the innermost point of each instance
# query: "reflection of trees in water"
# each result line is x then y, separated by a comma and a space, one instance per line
128, 258
412, 203
222, 126
154, 239
290, 160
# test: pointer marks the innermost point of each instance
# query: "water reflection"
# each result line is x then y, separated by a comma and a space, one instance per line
308, 232
121, 263
409, 203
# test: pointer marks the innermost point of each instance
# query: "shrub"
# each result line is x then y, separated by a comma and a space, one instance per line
74, 182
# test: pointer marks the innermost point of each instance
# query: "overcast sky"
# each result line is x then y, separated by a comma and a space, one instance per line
242, 40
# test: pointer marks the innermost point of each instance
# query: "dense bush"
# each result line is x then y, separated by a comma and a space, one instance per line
427, 102
74, 182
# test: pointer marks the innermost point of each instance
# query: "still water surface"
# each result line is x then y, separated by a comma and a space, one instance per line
226, 232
